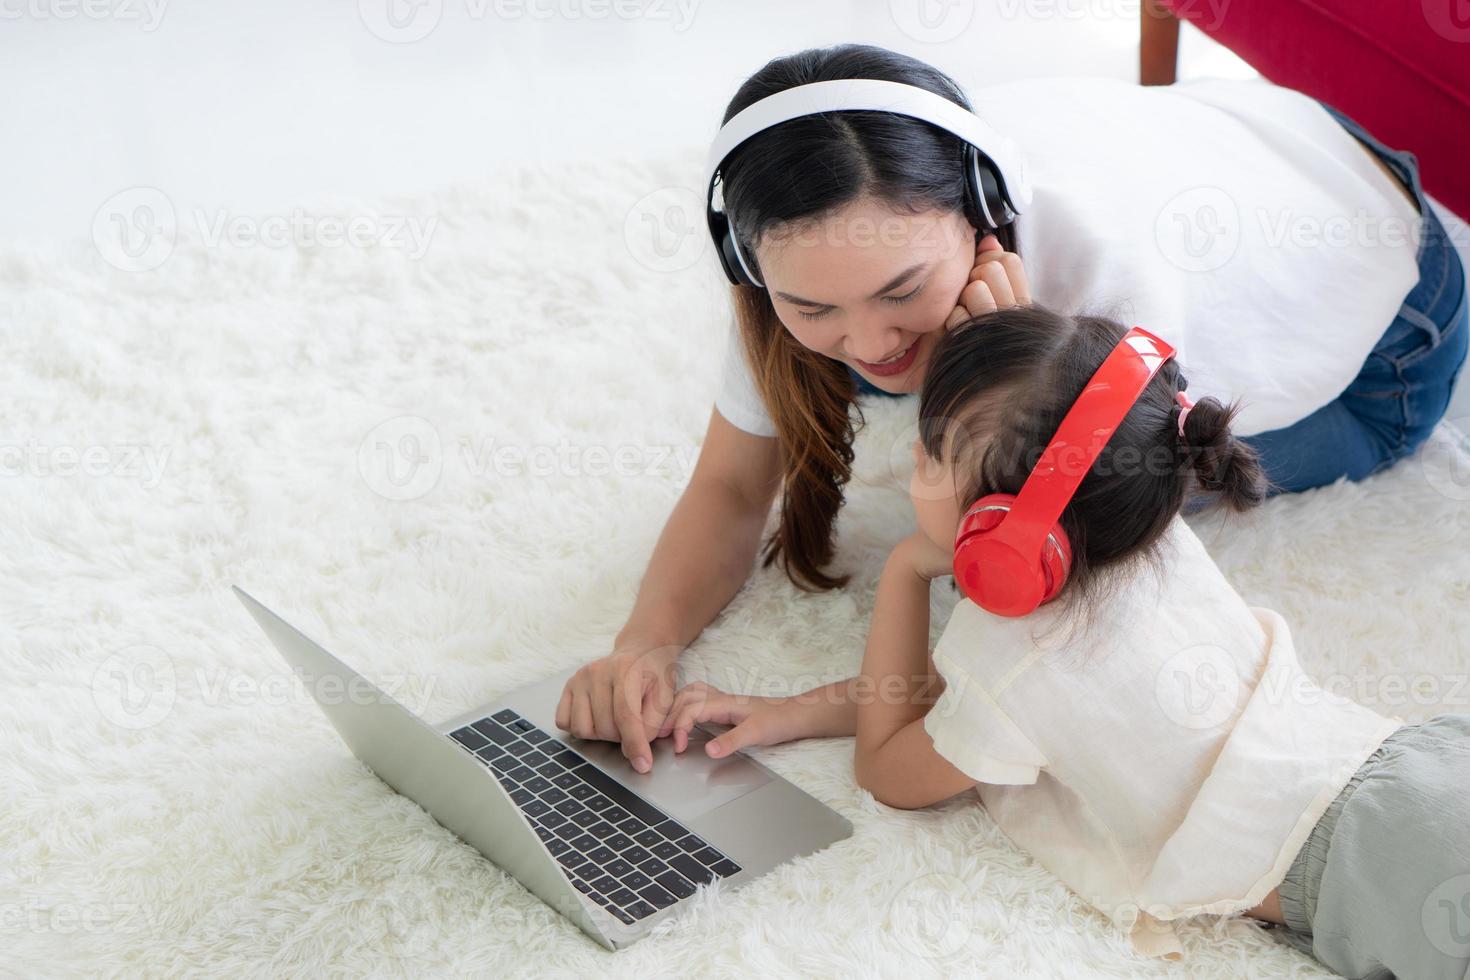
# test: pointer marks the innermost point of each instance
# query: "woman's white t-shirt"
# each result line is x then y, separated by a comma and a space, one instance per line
1236, 219
1167, 757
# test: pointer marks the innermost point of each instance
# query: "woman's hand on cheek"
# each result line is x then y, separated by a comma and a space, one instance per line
997, 281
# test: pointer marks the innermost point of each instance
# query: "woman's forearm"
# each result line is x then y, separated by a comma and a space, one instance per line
701, 559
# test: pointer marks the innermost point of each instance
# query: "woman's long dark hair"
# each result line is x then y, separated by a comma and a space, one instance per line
806, 169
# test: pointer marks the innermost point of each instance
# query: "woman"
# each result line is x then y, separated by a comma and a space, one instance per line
1268, 240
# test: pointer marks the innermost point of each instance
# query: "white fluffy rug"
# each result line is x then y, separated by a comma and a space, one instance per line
324, 425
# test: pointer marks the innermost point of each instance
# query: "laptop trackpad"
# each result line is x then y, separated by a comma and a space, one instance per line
683, 785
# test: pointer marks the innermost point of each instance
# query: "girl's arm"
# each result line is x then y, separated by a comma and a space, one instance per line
895, 758
822, 712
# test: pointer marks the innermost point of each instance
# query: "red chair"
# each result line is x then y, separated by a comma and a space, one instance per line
1401, 68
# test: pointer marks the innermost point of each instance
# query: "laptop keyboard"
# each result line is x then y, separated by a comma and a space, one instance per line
621, 851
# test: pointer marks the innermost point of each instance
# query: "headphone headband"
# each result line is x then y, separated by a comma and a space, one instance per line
1080, 439
846, 94
1006, 160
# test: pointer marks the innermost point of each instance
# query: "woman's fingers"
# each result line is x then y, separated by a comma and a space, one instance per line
581, 714
671, 723
994, 275
1006, 275
658, 699
997, 281
628, 716
601, 696
1016, 271
976, 298
564, 708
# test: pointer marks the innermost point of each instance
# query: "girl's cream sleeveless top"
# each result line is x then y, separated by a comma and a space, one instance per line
1165, 757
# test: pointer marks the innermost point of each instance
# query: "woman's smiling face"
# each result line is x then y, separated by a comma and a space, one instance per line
868, 285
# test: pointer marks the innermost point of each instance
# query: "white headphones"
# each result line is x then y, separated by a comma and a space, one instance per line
995, 171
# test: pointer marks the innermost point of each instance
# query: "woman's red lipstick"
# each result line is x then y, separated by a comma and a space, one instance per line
899, 366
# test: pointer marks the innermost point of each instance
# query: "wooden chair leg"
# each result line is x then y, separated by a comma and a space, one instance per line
1158, 44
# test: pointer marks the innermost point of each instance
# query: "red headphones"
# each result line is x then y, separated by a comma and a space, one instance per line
1011, 554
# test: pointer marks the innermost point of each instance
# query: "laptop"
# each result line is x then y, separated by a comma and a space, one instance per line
614, 850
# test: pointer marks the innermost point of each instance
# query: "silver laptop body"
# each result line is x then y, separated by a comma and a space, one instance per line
728, 819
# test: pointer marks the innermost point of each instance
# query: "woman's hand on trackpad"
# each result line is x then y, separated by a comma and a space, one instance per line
622, 697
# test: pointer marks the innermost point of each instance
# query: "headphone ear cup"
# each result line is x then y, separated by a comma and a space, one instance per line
992, 575
1056, 562
972, 191
983, 201
726, 249
734, 271
982, 516
984, 189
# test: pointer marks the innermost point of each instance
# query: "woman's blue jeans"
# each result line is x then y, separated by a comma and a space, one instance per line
1404, 386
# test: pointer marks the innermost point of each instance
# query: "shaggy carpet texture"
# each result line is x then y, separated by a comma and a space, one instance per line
447, 453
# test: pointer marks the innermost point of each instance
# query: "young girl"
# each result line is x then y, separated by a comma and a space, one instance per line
1146, 735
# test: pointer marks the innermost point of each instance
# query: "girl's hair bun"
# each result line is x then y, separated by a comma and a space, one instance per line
1223, 463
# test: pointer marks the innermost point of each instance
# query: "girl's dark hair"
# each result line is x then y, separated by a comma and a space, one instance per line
806, 169
1007, 378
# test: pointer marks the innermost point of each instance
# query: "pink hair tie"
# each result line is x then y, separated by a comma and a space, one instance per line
1184, 406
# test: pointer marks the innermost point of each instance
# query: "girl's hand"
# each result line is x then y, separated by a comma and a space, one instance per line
997, 281
757, 720
927, 559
